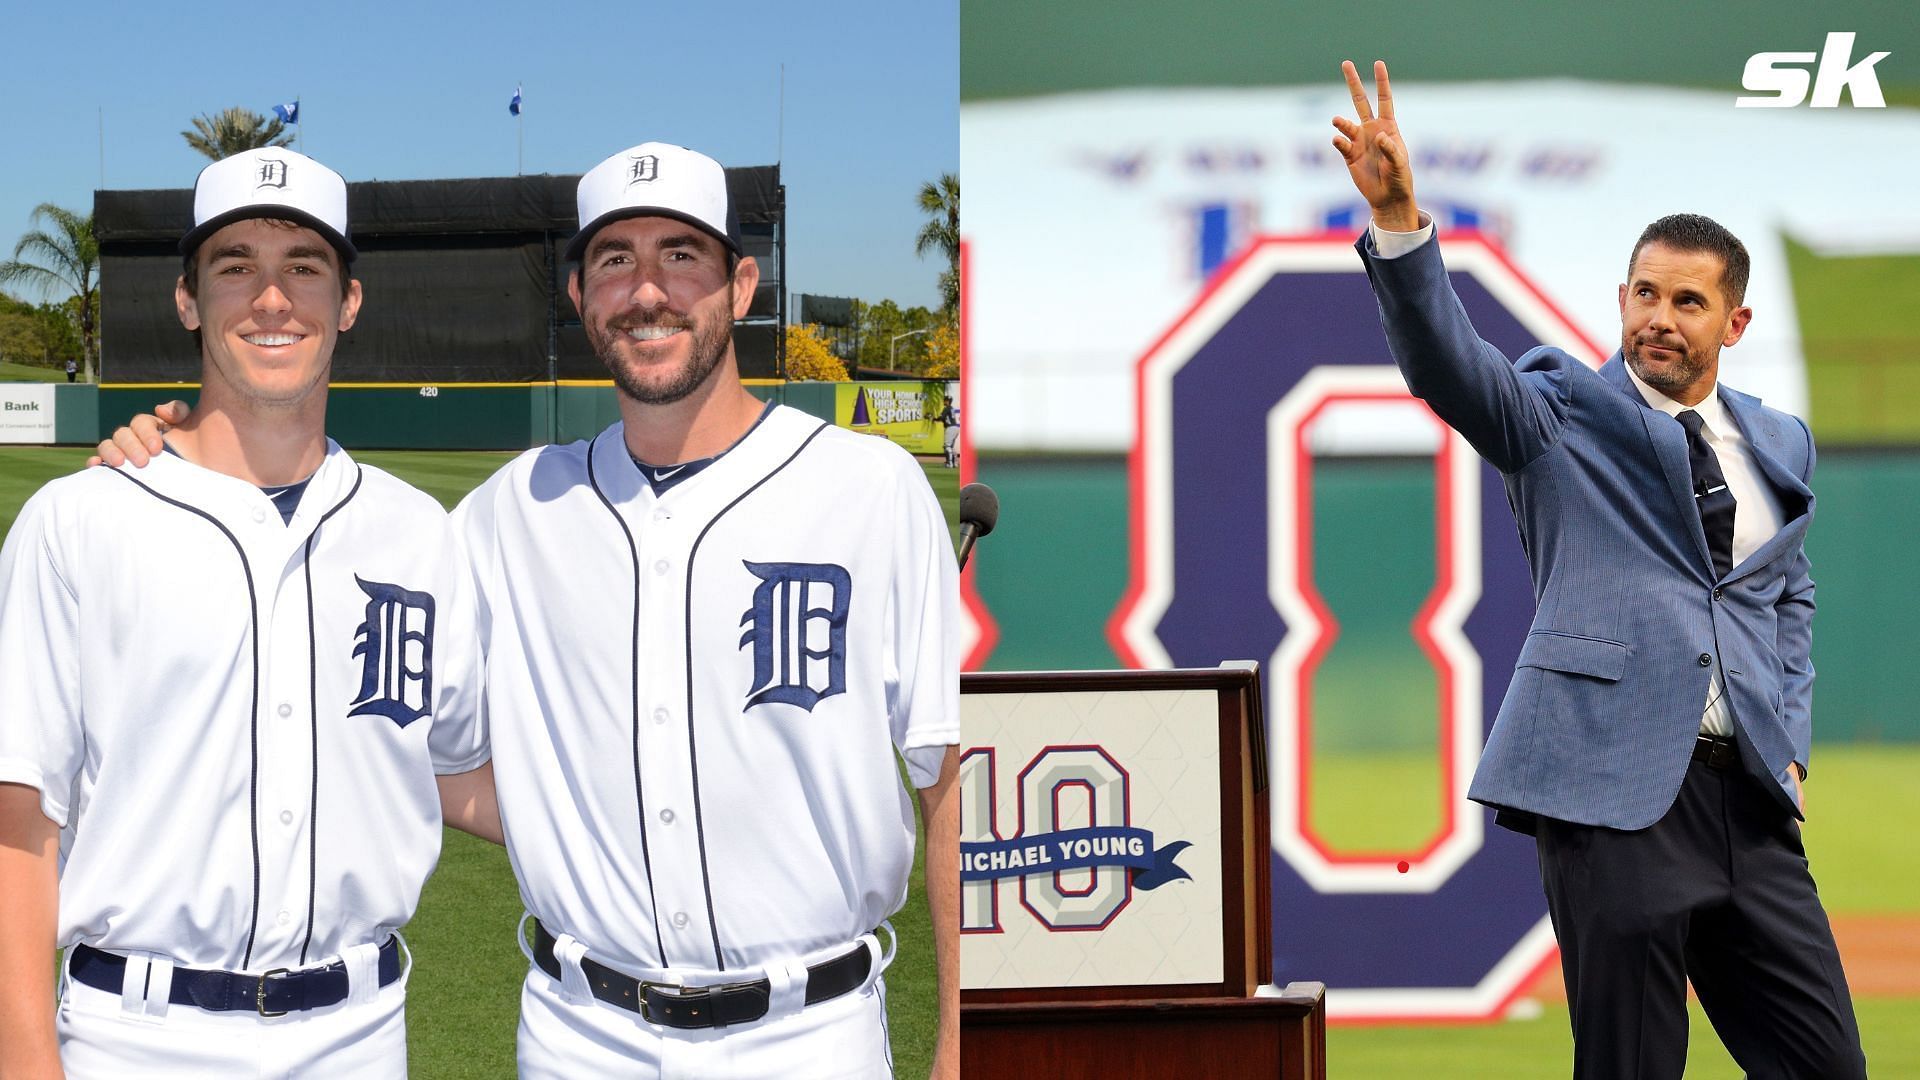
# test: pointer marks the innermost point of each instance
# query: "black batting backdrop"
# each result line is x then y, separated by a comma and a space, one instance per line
464, 281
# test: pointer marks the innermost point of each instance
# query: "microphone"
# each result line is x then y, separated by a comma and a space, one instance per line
979, 511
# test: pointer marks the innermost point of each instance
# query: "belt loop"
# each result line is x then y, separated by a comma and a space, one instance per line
882, 959
520, 937
363, 972
787, 987
144, 985
574, 988
159, 986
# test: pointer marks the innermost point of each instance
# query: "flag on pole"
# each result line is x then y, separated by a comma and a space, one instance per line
514, 105
289, 113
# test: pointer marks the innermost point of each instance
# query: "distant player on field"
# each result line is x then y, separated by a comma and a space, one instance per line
227, 684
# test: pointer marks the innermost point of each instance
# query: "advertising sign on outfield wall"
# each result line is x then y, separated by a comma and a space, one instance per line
907, 413
26, 413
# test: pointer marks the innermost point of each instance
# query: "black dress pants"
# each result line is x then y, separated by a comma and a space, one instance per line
1716, 892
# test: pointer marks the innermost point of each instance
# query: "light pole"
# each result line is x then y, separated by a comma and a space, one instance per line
896, 340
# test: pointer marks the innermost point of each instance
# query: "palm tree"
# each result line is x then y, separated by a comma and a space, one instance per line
229, 132
66, 259
940, 201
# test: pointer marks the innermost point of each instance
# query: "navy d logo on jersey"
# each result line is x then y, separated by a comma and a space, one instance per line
396, 645
798, 629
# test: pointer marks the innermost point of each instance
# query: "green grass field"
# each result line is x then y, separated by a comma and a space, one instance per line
12, 372
463, 1004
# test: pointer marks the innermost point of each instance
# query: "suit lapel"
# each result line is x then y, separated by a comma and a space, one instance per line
1764, 441
1669, 443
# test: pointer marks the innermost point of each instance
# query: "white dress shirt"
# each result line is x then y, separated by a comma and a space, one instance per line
1756, 513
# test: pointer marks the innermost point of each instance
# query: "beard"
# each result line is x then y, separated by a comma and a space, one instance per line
707, 347
1684, 370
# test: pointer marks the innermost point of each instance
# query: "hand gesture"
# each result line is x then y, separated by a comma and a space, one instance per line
140, 441
1375, 154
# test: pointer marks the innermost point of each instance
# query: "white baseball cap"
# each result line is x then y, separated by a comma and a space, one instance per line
270, 182
657, 180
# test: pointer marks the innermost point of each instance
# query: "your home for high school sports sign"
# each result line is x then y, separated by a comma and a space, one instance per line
1280, 360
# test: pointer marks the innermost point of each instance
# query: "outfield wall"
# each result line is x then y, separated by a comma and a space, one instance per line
1051, 600
390, 416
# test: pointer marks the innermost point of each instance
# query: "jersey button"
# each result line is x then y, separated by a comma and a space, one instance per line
659, 716
259, 515
680, 920
286, 709
666, 817
286, 817
660, 567
285, 918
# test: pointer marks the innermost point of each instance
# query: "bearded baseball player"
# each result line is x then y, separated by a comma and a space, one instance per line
222, 794
709, 630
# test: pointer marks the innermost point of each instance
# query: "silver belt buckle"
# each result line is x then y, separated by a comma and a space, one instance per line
260, 993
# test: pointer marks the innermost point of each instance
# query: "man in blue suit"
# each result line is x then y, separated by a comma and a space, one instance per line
1658, 725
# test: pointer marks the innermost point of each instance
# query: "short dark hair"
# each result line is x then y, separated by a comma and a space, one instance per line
1695, 232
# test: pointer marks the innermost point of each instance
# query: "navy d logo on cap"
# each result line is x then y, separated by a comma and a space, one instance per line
657, 180
270, 182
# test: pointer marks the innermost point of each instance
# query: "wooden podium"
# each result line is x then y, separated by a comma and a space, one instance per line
1151, 966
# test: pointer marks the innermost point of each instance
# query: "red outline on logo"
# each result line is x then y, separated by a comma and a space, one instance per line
1137, 458
993, 826
989, 630
1126, 818
1421, 628
1093, 873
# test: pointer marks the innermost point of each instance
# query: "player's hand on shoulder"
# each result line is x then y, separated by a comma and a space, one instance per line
142, 439
1375, 153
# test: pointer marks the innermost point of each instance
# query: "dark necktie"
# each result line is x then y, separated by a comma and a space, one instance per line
1710, 494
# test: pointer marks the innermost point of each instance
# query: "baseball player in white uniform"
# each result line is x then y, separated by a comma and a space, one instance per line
709, 630
227, 685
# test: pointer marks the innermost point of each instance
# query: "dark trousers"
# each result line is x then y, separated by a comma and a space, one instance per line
1716, 892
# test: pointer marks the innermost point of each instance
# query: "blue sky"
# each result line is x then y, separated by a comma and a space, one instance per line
406, 92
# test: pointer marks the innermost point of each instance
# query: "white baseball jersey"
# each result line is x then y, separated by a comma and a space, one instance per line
236, 721
696, 695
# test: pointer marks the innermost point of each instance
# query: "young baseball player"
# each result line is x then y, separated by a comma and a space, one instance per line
709, 630
227, 684
712, 627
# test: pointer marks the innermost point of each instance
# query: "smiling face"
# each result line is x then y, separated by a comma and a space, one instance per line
1675, 318
270, 300
658, 304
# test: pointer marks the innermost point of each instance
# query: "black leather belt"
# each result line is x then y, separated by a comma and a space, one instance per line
1716, 751
702, 1006
272, 993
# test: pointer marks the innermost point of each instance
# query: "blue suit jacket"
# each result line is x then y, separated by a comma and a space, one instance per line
1600, 719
